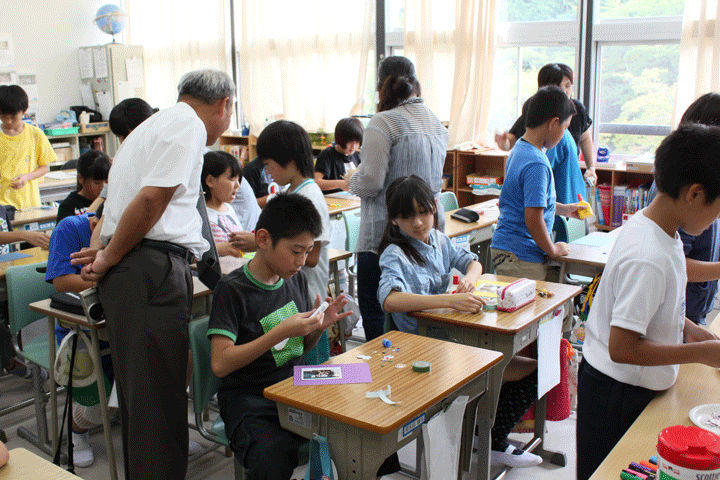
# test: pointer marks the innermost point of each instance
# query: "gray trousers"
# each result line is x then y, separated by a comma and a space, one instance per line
147, 300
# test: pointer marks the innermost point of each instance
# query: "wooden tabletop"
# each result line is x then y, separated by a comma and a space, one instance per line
589, 254
505, 322
338, 205
489, 215
336, 255
37, 255
25, 465
31, 215
43, 307
696, 385
453, 365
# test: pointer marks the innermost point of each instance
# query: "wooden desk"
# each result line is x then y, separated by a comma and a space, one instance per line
361, 431
52, 190
504, 332
53, 314
480, 232
338, 205
587, 260
696, 385
25, 465
35, 219
36, 255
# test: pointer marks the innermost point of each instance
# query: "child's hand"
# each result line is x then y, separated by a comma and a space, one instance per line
300, 324
244, 241
559, 249
19, 181
227, 248
502, 141
712, 357
569, 209
465, 286
466, 302
333, 312
696, 333
38, 239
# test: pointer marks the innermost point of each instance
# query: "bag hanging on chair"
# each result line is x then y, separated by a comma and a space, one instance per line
319, 466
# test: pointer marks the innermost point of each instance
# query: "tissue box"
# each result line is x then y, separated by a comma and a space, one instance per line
516, 295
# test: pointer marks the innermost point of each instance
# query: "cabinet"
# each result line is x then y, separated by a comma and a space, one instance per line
247, 144
67, 147
460, 164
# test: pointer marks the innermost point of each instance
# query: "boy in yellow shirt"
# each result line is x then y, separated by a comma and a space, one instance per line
25, 151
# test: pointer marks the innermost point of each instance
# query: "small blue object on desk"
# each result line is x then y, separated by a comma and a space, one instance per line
594, 240
386, 343
8, 257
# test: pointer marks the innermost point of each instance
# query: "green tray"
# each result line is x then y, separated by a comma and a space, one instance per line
62, 131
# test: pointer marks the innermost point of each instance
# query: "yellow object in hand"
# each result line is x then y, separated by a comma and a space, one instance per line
586, 212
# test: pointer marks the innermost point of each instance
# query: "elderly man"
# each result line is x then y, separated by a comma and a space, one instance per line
152, 231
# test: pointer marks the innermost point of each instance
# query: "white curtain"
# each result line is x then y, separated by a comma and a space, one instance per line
179, 36
303, 61
699, 69
454, 62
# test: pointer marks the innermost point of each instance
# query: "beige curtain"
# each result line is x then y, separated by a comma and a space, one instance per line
178, 36
699, 69
454, 66
303, 61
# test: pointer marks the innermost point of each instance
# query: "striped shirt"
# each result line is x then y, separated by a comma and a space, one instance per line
407, 140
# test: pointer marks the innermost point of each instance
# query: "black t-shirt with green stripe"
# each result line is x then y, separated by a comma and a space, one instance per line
243, 310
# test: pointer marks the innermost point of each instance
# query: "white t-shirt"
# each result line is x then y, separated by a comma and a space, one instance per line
246, 206
224, 223
319, 275
643, 290
166, 150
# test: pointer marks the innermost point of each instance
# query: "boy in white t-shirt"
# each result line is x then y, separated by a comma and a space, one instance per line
637, 333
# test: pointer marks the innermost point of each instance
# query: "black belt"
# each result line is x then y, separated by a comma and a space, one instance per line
169, 248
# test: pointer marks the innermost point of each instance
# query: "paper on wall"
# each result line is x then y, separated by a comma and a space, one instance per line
135, 72
8, 78
105, 104
7, 52
123, 91
101, 65
28, 82
86, 95
548, 344
85, 60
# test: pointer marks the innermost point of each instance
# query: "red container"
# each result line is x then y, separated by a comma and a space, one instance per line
688, 453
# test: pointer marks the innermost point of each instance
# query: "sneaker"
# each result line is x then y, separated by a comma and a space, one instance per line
514, 457
193, 447
82, 450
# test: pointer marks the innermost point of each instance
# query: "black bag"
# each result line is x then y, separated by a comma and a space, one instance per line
465, 215
67, 302
95, 116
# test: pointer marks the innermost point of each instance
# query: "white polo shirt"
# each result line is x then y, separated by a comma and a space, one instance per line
166, 150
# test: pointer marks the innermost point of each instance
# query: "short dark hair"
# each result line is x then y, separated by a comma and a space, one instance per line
128, 114
553, 74
216, 163
396, 82
284, 141
348, 129
689, 155
704, 110
548, 102
93, 165
13, 99
288, 215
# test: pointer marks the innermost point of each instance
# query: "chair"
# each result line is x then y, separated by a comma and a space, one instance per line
352, 230
448, 201
26, 285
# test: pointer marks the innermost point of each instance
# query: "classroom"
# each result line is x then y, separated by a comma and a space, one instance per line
430, 199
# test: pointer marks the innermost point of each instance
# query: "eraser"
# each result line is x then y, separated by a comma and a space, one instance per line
386, 343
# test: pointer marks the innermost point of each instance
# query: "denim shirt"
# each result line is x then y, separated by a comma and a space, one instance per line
406, 140
402, 274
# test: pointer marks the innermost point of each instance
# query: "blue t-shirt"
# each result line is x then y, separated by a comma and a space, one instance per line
528, 183
70, 235
565, 165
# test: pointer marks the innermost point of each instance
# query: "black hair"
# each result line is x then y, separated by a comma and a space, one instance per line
397, 89
401, 197
553, 74
284, 141
705, 110
128, 114
348, 129
216, 163
93, 165
689, 155
13, 99
548, 102
288, 215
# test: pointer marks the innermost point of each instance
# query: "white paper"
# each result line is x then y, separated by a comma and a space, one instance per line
135, 72
60, 175
85, 60
105, 103
7, 52
441, 438
548, 345
8, 78
123, 91
101, 65
86, 95
28, 81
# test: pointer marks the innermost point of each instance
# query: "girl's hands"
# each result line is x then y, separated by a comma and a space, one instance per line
465, 286
227, 248
466, 302
244, 241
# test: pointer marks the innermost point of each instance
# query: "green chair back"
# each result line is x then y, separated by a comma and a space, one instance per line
25, 285
448, 201
575, 229
352, 228
205, 383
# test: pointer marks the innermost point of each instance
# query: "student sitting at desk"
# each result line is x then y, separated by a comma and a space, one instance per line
637, 332
261, 324
341, 157
258, 179
25, 151
415, 260
92, 173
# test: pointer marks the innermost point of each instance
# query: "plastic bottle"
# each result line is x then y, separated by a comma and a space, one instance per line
587, 211
688, 453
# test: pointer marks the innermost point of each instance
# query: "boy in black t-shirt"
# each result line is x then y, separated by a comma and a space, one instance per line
335, 161
260, 326
92, 174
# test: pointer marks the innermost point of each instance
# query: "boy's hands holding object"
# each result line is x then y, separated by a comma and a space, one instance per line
38, 239
569, 209
323, 316
19, 181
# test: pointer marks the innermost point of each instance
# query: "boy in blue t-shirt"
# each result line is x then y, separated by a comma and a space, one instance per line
522, 243
565, 165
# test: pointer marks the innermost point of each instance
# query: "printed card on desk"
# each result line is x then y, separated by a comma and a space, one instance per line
332, 374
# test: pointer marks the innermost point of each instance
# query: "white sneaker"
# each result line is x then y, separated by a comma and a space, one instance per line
194, 447
514, 457
82, 450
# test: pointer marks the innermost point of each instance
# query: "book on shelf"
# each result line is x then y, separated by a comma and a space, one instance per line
618, 204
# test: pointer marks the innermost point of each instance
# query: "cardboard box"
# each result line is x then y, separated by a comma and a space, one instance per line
96, 127
63, 154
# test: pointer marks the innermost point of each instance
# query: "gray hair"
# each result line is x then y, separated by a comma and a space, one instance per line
206, 85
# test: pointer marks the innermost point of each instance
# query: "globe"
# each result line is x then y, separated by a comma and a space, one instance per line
111, 19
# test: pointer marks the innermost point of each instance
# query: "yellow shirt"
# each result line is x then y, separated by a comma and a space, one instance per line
20, 154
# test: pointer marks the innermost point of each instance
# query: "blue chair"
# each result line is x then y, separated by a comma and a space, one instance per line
448, 201
26, 285
351, 218
568, 230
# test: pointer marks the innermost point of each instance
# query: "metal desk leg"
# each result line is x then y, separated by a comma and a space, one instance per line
104, 408
556, 458
53, 385
341, 325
